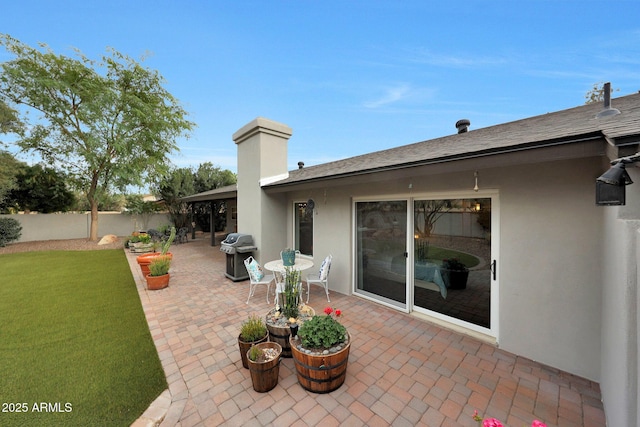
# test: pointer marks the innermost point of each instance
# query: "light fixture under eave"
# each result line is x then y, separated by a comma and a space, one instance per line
610, 186
476, 188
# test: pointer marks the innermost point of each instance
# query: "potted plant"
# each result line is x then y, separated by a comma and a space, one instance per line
281, 325
454, 273
321, 352
253, 331
145, 260
142, 244
158, 277
264, 365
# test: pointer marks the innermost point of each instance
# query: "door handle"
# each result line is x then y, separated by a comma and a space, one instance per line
494, 268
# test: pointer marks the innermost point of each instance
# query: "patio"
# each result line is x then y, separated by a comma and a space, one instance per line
402, 371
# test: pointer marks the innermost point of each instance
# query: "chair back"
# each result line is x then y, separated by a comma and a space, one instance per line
254, 269
325, 267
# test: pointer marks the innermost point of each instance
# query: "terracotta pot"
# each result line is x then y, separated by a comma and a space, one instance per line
320, 373
157, 282
244, 346
145, 260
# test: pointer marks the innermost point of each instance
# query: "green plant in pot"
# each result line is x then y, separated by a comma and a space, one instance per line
158, 277
454, 273
321, 352
291, 294
145, 260
252, 331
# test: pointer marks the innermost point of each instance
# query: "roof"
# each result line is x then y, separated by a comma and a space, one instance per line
562, 127
228, 192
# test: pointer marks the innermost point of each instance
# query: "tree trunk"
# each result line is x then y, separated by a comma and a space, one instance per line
93, 236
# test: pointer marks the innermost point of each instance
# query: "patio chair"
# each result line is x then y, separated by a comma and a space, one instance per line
257, 277
181, 235
320, 278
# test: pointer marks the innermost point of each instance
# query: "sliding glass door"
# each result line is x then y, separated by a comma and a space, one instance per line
452, 258
430, 255
381, 250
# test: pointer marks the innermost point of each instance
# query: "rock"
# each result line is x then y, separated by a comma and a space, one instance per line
108, 239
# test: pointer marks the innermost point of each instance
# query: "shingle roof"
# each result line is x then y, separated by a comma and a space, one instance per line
560, 127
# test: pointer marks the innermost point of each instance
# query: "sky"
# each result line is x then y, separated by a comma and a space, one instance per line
350, 77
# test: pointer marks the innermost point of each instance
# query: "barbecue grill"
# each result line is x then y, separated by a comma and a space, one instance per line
238, 247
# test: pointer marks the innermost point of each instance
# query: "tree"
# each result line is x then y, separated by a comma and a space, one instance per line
41, 189
106, 124
176, 184
596, 93
9, 120
10, 167
136, 205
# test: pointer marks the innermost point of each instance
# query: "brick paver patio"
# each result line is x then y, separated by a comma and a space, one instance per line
402, 371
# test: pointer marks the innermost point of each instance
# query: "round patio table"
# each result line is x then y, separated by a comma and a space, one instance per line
301, 264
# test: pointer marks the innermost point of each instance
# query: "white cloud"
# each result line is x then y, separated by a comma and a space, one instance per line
391, 95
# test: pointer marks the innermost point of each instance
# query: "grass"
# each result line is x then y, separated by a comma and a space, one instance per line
436, 253
74, 337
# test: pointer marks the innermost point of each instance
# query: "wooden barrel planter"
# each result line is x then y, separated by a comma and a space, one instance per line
244, 347
320, 373
264, 375
281, 333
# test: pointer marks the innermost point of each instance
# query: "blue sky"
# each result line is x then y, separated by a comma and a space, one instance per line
351, 77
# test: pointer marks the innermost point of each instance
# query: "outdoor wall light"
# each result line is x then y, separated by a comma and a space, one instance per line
610, 186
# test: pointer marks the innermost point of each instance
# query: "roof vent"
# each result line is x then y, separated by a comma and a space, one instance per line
463, 125
300, 165
607, 111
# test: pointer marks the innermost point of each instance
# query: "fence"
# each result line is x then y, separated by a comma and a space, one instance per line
78, 225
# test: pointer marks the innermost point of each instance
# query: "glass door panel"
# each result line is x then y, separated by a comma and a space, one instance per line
381, 243
452, 235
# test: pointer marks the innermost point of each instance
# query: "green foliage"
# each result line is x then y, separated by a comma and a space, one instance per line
10, 230
322, 332
253, 329
41, 189
596, 93
108, 123
453, 264
255, 353
73, 330
10, 167
159, 266
9, 120
291, 293
182, 182
136, 205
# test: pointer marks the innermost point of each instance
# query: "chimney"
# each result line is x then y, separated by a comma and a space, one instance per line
463, 125
607, 111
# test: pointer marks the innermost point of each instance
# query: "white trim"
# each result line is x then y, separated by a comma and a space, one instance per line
272, 179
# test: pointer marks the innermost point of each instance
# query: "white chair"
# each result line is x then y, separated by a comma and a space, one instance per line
257, 277
320, 278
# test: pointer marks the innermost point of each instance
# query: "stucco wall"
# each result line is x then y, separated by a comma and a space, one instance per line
548, 267
76, 225
620, 366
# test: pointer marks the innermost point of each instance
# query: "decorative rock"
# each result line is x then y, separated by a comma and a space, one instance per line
108, 239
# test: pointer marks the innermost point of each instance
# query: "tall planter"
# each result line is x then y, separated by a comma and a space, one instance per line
455, 279
318, 372
264, 375
245, 346
280, 329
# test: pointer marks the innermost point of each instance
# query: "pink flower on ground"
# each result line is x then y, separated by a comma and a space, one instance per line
328, 310
492, 422
537, 423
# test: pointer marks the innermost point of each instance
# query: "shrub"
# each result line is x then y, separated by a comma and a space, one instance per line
160, 266
322, 331
10, 230
253, 329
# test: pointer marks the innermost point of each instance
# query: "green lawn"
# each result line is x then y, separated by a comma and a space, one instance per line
75, 348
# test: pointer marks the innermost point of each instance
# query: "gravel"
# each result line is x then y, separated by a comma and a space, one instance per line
59, 245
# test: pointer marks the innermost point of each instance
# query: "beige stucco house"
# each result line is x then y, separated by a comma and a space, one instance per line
553, 277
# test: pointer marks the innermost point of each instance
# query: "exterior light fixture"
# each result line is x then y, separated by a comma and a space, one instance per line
610, 186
